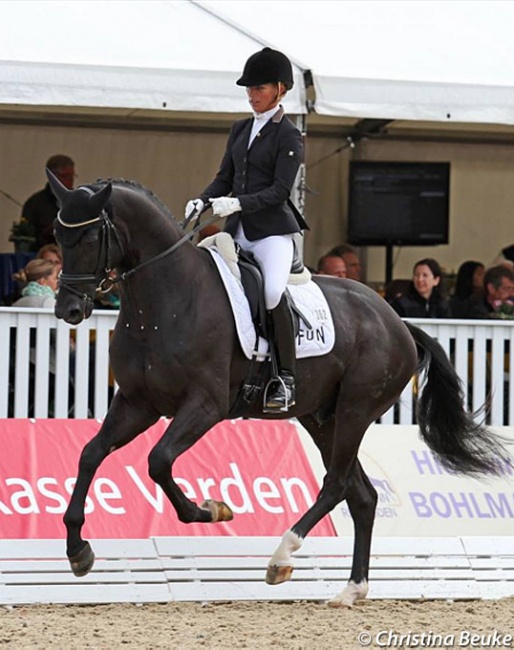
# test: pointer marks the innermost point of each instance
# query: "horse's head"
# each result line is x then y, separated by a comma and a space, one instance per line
84, 231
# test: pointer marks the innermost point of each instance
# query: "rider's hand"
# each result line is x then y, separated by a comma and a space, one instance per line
193, 209
224, 206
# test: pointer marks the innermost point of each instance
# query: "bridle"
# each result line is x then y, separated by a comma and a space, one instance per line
102, 277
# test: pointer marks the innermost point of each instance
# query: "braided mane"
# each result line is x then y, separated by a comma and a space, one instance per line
135, 186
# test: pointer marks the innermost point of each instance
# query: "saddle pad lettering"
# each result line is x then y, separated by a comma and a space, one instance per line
308, 298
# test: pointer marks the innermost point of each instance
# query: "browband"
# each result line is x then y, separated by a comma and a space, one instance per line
82, 223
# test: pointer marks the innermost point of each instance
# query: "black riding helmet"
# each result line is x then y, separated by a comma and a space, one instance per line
267, 66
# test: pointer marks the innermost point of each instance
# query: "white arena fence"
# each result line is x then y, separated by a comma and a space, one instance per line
51, 369
210, 569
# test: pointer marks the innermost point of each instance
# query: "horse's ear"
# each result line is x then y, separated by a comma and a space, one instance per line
57, 187
99, 200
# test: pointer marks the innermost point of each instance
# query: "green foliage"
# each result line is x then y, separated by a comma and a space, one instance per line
22, 229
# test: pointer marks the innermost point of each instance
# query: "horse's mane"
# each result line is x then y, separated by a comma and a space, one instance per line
138, 187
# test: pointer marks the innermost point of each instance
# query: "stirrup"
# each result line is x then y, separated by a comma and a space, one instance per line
278, 406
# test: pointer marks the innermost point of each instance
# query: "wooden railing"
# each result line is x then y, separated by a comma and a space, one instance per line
51, 369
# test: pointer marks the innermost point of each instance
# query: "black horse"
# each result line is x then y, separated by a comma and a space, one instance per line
175, 352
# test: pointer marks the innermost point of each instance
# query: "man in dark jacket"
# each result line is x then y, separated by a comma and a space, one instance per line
41, 208
252, 188
498, 289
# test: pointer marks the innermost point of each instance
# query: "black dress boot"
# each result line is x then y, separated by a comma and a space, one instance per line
280, 393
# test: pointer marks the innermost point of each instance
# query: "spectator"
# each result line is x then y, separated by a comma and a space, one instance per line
41, 208
497, 294
351, 260
424, 298
470, 281
52, 253
40, 286
332, 265
39, 278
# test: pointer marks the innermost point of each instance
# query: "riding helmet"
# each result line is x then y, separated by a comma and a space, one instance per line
267, 66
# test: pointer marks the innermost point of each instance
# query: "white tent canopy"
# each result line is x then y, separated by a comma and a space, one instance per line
435, 60
138, 55
423, 60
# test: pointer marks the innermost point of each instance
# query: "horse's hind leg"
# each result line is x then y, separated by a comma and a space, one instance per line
361, 497
344, 477
122, 424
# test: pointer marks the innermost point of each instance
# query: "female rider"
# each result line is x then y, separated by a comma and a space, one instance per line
252, 188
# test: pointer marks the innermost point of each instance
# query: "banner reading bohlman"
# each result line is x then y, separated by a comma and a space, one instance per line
418, 497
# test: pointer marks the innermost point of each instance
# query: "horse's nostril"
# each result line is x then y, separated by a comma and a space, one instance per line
74, 317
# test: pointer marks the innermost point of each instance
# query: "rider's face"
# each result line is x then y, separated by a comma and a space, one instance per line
264, 97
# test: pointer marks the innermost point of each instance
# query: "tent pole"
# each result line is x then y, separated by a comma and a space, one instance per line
298, 193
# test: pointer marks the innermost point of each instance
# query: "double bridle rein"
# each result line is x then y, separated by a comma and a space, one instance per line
102, 276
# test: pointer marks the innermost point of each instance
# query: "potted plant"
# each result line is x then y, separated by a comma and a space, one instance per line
23, 236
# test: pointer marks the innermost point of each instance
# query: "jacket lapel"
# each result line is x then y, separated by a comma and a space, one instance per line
268, 127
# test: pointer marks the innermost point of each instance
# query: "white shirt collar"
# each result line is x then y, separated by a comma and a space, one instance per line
267, 114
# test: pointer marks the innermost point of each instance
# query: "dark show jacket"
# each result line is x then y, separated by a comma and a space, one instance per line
40, 210
479, 307
413, 305
261, 177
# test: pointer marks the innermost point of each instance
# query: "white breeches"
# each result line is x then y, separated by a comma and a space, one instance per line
274, 255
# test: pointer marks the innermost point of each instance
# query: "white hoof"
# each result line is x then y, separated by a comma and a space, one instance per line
350, 595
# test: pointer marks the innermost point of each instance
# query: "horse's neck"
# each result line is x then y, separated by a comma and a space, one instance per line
169, 280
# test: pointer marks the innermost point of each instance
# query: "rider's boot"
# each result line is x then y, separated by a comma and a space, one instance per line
281, 391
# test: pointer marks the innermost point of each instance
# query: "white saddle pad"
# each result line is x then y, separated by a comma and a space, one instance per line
307, 296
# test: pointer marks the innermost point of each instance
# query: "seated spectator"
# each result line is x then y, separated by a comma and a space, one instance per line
331, 265
424, 298
41, 208
39, 278
351, 259
52, 253
470, 282
497, 295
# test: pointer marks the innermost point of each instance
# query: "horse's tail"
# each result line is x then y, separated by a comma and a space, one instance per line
460, 444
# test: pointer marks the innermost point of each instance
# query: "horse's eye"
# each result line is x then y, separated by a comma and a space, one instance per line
90, 239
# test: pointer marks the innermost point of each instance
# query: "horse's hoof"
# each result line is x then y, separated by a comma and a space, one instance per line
82, 563
275, 575
218, 509
338, 603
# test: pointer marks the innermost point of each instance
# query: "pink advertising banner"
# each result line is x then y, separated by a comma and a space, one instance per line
259, 468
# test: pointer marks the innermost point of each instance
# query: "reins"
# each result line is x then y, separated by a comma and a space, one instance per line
169, 250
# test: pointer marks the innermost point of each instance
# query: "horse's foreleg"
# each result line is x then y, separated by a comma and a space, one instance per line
121, 425
187, 427
361, 497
